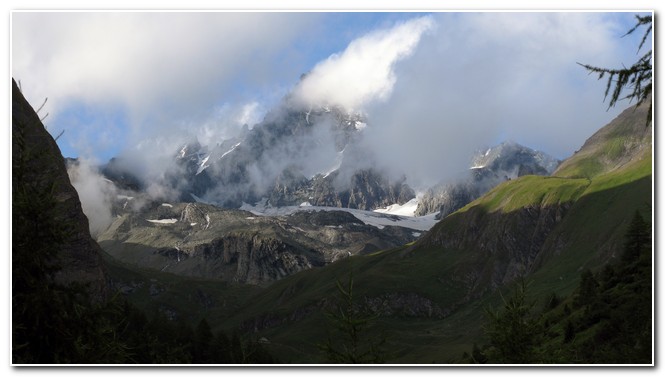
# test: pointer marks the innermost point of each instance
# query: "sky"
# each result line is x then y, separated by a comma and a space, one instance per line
429, 83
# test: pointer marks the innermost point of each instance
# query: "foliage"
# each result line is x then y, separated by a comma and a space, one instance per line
610, 321
638, 76
637, 238
514, 332
351, 345
588, 289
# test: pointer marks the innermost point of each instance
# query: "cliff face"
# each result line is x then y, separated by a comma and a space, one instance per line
368, 189
38, 168
503, 246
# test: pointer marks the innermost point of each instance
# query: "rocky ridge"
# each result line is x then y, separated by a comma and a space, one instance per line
195, 239
506, 161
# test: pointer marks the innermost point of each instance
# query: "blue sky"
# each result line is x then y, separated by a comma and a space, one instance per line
115, 80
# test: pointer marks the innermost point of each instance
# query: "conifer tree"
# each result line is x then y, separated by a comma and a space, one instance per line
638, 237
514, 332
638, 77
351, 344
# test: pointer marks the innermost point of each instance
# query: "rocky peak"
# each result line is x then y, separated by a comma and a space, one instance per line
490, 167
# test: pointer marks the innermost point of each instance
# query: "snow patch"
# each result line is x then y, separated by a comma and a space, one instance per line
360, 125
183, 152
336, 165
203, 165
192, 224
406, 209
230, 150
167, 205
125, 197
164, 221
377, 219
305, 204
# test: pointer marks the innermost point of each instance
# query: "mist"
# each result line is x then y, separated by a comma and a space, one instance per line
96, 194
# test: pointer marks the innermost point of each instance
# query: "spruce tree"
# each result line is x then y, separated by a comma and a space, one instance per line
638, 238
351, 344
514, 332
638, 76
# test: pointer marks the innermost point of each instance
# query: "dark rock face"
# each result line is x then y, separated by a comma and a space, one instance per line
367, 189
36, 159
503, 162
446, 199
504, 245
252, 259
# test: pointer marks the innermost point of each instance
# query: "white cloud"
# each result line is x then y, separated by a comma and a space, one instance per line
160, 68
364, 72
481, 79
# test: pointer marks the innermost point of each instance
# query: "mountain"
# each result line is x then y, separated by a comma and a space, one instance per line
294, 155
506, 161
430, 298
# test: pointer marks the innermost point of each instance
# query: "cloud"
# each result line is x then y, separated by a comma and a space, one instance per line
95, 193
482, 78
159, 69
363, 72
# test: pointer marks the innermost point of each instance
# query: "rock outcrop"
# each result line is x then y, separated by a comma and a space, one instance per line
38, 168
199, 240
